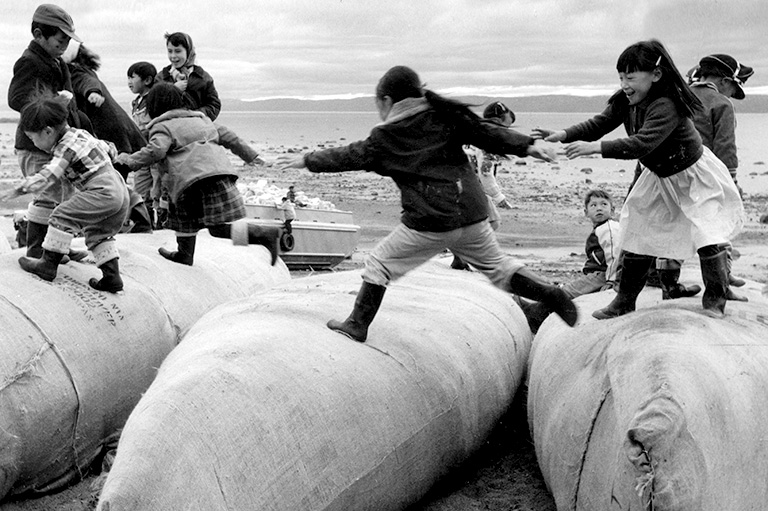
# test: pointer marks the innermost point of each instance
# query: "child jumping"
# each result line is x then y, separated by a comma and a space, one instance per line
684, 200
100, 203
419, 144
200, 177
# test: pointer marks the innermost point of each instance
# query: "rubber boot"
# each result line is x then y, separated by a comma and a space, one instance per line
527, 285
184, 254
633, 277
366, 306
35, 236
45, 267
671, 288
535, 313
459, 264
265, 236
714, 271
111, 282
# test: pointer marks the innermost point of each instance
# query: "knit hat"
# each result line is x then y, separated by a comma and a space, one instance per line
720, 64
55, 16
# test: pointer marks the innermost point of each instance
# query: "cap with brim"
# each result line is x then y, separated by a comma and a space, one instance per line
55, 16
729, 68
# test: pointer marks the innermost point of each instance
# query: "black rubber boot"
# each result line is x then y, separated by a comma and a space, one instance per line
671, 288
265, 236
35, 236
366, 306
458, 263
527, 285
535, 313
714, 271
45, 267
111, 282
633, 277
185, 253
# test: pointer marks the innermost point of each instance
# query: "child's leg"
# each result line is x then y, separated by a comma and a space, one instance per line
243, 233
54, 247
669, 277
714, 271
585, 284
41, 207
185, 251
106, 256
633, 276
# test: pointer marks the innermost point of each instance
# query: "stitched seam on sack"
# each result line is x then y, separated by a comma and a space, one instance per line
64, 365
575, 498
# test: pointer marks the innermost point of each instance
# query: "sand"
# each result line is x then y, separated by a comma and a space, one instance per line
546, 228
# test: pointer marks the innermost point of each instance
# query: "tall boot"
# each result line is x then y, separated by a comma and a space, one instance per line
111, 282
35, 236
527, 285
185, 253
714, 271
633, 277
671, 288
366, 306
44, 267
245, 233
459, 264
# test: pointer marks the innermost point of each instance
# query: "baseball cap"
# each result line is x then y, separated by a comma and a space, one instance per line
55, 16
730, 68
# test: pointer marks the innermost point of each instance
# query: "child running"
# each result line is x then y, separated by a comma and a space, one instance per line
201, 180
100, 203
419, 144
684, 200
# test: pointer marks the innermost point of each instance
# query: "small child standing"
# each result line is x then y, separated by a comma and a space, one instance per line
99, 205
684, 200
200, 177
289, 214
420, 145
146, 180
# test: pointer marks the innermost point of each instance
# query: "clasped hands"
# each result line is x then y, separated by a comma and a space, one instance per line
572, 150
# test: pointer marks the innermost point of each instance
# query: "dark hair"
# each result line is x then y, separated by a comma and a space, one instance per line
44, 110
46, 30
162, 98
143, 70
597, 193
646, 56
178, 39
402, 82
87, 58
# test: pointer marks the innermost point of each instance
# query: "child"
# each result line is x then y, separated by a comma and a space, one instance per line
602, 247
146, 180
289, 213
715, 80
41, 67
201, 180
110, 122
419, 145
684, 201
99, 205
192, 80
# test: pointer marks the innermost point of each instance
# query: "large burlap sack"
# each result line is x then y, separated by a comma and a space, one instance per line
664, 408
261, 407
74, 361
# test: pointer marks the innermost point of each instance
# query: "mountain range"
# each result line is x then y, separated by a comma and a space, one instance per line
550, 103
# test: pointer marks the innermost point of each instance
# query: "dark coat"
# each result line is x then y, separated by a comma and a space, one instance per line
200, 94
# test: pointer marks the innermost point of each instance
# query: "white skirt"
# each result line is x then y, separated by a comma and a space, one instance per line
674, 216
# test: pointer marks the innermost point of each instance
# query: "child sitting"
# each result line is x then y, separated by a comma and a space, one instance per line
100, 203
200, 177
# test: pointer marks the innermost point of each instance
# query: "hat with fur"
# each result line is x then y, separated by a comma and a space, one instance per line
720, 64
55, 16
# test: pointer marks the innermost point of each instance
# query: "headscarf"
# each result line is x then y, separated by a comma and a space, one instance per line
189, 64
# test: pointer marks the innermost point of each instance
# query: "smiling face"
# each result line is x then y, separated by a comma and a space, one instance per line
637, 84
598, 210
56, 45
177, 55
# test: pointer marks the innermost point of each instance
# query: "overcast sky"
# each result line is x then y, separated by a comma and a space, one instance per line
330, 48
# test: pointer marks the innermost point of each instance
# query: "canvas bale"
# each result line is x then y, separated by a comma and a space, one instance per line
664, 408
262, 407
75, 360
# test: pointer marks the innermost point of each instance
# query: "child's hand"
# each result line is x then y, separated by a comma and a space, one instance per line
121, 159
537, 150
286, 161
548, 135
181, 85
35, 183
95, 99
576, 149
66, 94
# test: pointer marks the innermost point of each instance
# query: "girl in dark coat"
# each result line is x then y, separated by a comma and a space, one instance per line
419, 144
